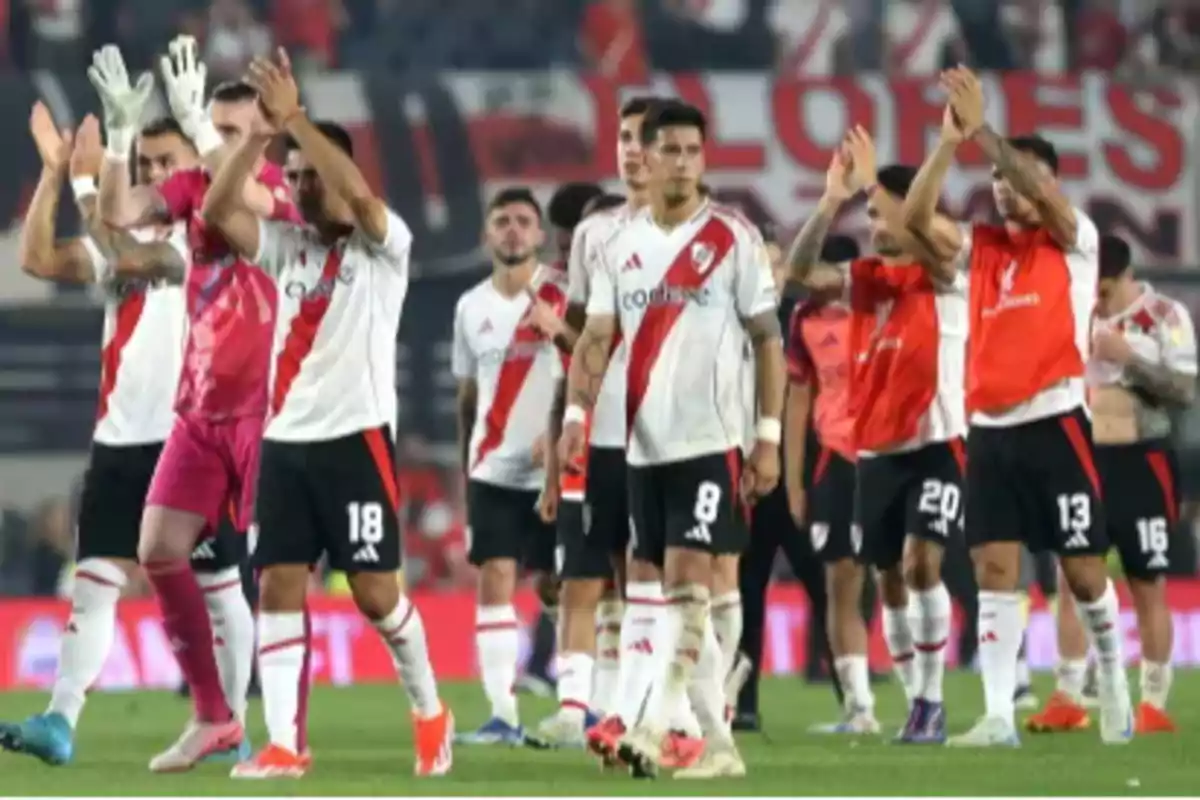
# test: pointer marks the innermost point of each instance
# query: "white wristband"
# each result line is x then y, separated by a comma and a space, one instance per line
83, 188
119, 143
769, 430
208, 138
574, 413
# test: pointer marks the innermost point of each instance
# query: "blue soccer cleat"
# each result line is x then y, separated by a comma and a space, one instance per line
46, 737
494, 731
926, 724
234, 755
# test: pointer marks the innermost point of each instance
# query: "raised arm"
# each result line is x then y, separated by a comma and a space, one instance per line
939, 242
40, 255
225, 203
804, 255
280, 97
1028, 177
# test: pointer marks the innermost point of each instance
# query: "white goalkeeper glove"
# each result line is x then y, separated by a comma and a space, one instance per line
184, 75
123, 104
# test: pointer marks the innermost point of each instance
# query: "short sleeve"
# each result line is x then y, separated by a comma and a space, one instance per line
179, 192
1087, 237
101, 270
1179, 340
799, 362
397, 242
754, 286
577, 277
462, 358
602, 292
278, 245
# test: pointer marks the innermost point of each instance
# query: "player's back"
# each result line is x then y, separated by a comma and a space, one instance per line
512, 364
144, 328
681, 296
230, 305
334, 365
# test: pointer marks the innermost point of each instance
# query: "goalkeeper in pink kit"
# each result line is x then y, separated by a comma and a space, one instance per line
210, 460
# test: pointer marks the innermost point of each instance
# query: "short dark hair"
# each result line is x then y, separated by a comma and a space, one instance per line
838, 249
333, 132
515, 194
566, 206
234, 92
163, 126
603, 202
672, 114
1115, 256
1039, 148
639, 105
896, 179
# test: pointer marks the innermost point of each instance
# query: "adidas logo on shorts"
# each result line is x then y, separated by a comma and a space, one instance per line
367, 554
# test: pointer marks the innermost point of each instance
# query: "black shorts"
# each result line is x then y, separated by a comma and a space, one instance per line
1141, 503
831, 508
504, 523
110, 509
692, 503
1036, 483
918, 493
338, 498
595, 532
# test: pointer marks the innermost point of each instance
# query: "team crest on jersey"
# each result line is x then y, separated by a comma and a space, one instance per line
1007, 278
702, 257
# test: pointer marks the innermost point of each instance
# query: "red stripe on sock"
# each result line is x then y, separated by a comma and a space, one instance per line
80, 575
483, 627
573, 704
903, 658
645, 601
220, 587
931, 647
394, 634
281, 645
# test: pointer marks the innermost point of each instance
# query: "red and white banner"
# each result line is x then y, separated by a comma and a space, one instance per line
347, 650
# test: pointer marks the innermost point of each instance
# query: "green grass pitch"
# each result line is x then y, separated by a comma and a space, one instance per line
360, 740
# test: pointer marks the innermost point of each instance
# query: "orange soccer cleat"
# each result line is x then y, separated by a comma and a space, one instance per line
1151, 719
602, 739
680, 751
273, 761
434, 739
1060, 714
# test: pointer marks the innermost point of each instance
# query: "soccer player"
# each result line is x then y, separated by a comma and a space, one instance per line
327, 484
1031, 471
688, 280
906, 340
502, 359
210, 460
1143, 367
140, 272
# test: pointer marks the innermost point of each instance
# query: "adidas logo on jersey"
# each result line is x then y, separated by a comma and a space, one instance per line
204, 550
367, 554
700, 533
486, 327
632, 263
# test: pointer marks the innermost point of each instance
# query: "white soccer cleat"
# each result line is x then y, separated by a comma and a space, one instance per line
1116, 709
988, 732
857, 722
562, 729
720, 760
199, 739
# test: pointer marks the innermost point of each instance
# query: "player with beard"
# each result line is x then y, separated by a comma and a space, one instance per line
1143, 368
328, 485
503, 361
140, 272
1031, 468
690, 280
210, 460
906, 340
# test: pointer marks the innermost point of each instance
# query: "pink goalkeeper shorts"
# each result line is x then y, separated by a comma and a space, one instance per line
209, 468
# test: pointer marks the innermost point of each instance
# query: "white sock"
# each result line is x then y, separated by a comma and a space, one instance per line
233, 634
89, 635
854, 672
931, 630
1102, 619
727, 622
1156, 684
281, 648
681, 716
1070, 674
707, 688
687, 614
574, 683
608, 656
404, 634
999, 641
499, 645
898, 635
638, 663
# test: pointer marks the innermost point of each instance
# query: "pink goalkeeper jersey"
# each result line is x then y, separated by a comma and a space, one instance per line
230, 307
